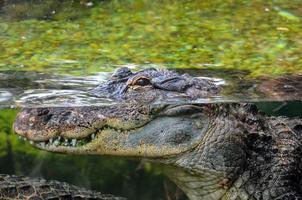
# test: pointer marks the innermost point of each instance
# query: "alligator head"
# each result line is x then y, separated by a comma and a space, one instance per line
132, 127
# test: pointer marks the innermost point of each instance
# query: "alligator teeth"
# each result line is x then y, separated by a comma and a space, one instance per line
56, 142
42, 144
60, 141
74, 142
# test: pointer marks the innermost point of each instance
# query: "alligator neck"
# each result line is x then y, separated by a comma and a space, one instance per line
255, 157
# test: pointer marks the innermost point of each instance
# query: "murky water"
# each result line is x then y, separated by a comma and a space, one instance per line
53, 53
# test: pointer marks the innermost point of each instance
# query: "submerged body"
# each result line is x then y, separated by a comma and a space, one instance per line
21, 188
212, 151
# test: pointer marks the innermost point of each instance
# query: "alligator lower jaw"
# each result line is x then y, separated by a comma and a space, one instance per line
59, 141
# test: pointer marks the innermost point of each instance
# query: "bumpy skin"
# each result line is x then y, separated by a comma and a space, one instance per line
23, 188
244, 155
151, 85
211, 151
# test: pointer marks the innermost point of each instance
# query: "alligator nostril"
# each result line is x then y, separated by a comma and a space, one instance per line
67, 113
46, 118
43, 111
66, 116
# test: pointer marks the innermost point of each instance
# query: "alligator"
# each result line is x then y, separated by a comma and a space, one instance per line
14, 187
211, 151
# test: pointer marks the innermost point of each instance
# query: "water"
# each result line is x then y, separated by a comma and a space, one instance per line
29, 89
53, 53
32, 89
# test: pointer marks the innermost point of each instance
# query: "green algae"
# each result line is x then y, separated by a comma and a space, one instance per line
262, 37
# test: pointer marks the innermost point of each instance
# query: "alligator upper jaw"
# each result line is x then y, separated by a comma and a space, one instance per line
60, 142
67, 123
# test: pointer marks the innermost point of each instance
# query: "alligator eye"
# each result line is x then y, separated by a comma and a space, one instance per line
141, 81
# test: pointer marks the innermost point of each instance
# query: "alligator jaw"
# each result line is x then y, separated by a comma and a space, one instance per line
158, 135
66, 123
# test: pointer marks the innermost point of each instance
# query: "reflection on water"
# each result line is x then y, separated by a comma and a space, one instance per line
32, 89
